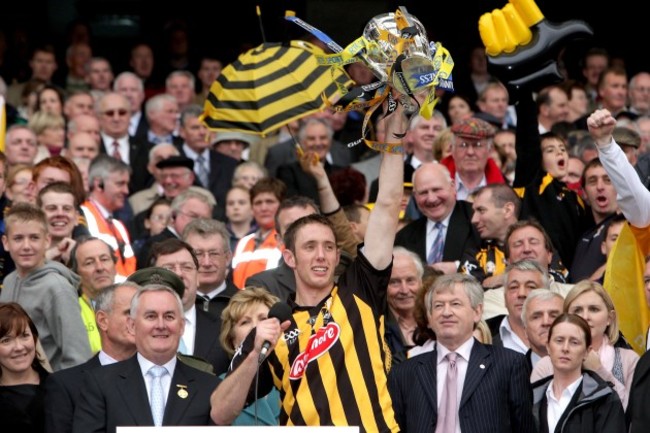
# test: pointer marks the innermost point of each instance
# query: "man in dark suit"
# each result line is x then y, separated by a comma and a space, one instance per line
520, 278
64, 386
210, 240
435, 196
201, 331
315, 135
189, 205
481, 388
540, 309
114, 113
129, 392
213, 170
285, 151
637, 414
132, 87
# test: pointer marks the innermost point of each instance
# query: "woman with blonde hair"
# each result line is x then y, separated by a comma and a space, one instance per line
590, 301
50, 133
245, 310
442, 144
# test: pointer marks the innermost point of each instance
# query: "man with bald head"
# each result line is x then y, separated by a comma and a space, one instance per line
445, 231
87, 123
131, 86
114, 111
82, 145
79, 102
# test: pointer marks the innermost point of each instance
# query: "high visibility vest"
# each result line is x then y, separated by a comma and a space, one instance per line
88, 317
252, 257
114, 234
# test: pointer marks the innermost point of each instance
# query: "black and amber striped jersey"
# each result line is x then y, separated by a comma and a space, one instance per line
331, 366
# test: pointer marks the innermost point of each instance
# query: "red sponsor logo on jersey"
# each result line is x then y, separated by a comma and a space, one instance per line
317, 346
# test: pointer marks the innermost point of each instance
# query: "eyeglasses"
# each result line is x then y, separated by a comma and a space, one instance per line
121, 112
212, 254
185, 267
477, 145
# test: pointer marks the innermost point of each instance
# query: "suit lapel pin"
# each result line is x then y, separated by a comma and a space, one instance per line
182, 391
481, 366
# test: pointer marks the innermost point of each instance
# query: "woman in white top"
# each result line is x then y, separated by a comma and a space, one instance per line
590, 301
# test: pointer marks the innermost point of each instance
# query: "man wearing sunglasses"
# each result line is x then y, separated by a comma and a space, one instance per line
114, 113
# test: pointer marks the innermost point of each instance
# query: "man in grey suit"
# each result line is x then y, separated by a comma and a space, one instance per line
492, 392
125, 393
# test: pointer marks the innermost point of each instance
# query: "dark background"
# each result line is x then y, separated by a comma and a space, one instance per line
116, 24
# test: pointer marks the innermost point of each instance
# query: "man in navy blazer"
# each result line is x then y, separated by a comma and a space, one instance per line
119, 394
64, 386
435, 195
201, 333
493, 390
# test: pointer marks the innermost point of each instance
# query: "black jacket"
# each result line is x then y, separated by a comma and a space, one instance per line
594, 408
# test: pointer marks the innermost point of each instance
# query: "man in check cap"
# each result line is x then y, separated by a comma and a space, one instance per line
629, 140
470, 164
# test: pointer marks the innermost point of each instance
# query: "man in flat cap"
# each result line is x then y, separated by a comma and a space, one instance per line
177, 175
629, 140
470, 164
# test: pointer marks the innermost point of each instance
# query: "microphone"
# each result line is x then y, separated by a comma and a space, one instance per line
282, 312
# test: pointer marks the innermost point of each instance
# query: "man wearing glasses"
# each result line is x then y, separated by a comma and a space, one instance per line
201, 335
210, 241
186, 207
113, 111
469, 163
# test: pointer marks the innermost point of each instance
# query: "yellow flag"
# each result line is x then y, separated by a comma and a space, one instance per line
3, 123
624, 283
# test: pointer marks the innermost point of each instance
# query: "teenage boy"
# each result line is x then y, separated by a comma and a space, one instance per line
45, 289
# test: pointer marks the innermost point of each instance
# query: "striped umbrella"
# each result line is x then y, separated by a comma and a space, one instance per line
270, 86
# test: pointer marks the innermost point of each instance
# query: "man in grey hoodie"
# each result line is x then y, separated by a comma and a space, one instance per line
46, 290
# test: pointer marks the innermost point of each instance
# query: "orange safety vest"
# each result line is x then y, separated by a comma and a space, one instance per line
115, 235
250, 259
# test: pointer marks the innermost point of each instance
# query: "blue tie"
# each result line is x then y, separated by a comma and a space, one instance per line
157, 397
202, 172
435, 254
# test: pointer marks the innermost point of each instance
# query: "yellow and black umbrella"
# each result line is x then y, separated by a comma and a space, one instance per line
270, 86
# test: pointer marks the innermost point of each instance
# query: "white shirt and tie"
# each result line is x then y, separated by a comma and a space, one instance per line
201, 164
432, 233
157, 388
462, 361
186, 345
122, 146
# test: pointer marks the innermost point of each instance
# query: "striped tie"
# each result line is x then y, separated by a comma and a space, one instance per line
435, 254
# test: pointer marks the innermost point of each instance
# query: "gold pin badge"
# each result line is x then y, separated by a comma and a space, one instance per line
182, 391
